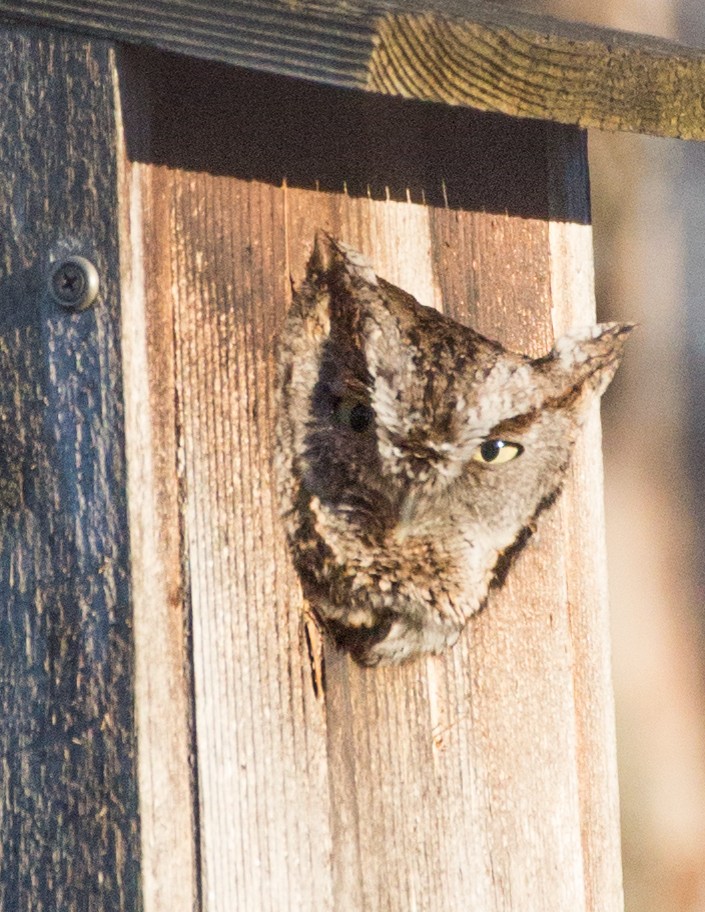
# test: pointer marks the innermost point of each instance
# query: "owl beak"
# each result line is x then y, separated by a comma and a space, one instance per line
407, 515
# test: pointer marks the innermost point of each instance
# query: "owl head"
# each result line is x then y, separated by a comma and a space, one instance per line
413, 454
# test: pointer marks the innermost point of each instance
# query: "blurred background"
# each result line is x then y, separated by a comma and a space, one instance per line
648, 198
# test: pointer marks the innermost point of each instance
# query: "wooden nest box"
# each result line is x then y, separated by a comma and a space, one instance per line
175, 733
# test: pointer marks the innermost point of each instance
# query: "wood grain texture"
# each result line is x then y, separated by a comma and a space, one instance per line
481, 779
263, 779
163, 676
607, 81
69, 831
572, 289
462, 53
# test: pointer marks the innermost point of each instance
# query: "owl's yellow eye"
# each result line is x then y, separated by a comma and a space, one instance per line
496, 452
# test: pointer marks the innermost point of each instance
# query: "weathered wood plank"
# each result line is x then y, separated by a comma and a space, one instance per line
572, 290
260, 737
461, 53
163, 674
69, 832
472, 780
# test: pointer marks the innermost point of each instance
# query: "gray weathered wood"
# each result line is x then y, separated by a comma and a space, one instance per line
461, 53
69, 824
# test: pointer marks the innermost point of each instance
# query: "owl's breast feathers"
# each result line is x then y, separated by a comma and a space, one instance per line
390, 593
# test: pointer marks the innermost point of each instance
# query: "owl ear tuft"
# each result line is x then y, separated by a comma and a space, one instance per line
332, 259
586, 360
324, 254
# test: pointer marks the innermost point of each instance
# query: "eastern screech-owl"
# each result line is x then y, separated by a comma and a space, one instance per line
413, 454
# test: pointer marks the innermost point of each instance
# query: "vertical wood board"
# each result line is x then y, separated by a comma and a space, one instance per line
572, 290
163, 684
69, 828
469, 780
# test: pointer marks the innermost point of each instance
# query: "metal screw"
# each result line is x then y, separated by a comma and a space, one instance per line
74, 283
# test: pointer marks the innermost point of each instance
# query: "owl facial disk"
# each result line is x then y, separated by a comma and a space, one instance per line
414, 455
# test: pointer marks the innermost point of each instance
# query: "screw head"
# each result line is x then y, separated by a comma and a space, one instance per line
74, 283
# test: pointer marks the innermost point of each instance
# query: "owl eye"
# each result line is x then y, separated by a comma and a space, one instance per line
356, 415
495, 452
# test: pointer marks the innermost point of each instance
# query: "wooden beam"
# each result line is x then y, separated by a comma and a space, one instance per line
69, 825
471, 54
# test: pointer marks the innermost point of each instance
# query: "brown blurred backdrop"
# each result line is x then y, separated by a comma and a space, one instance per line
648, 200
